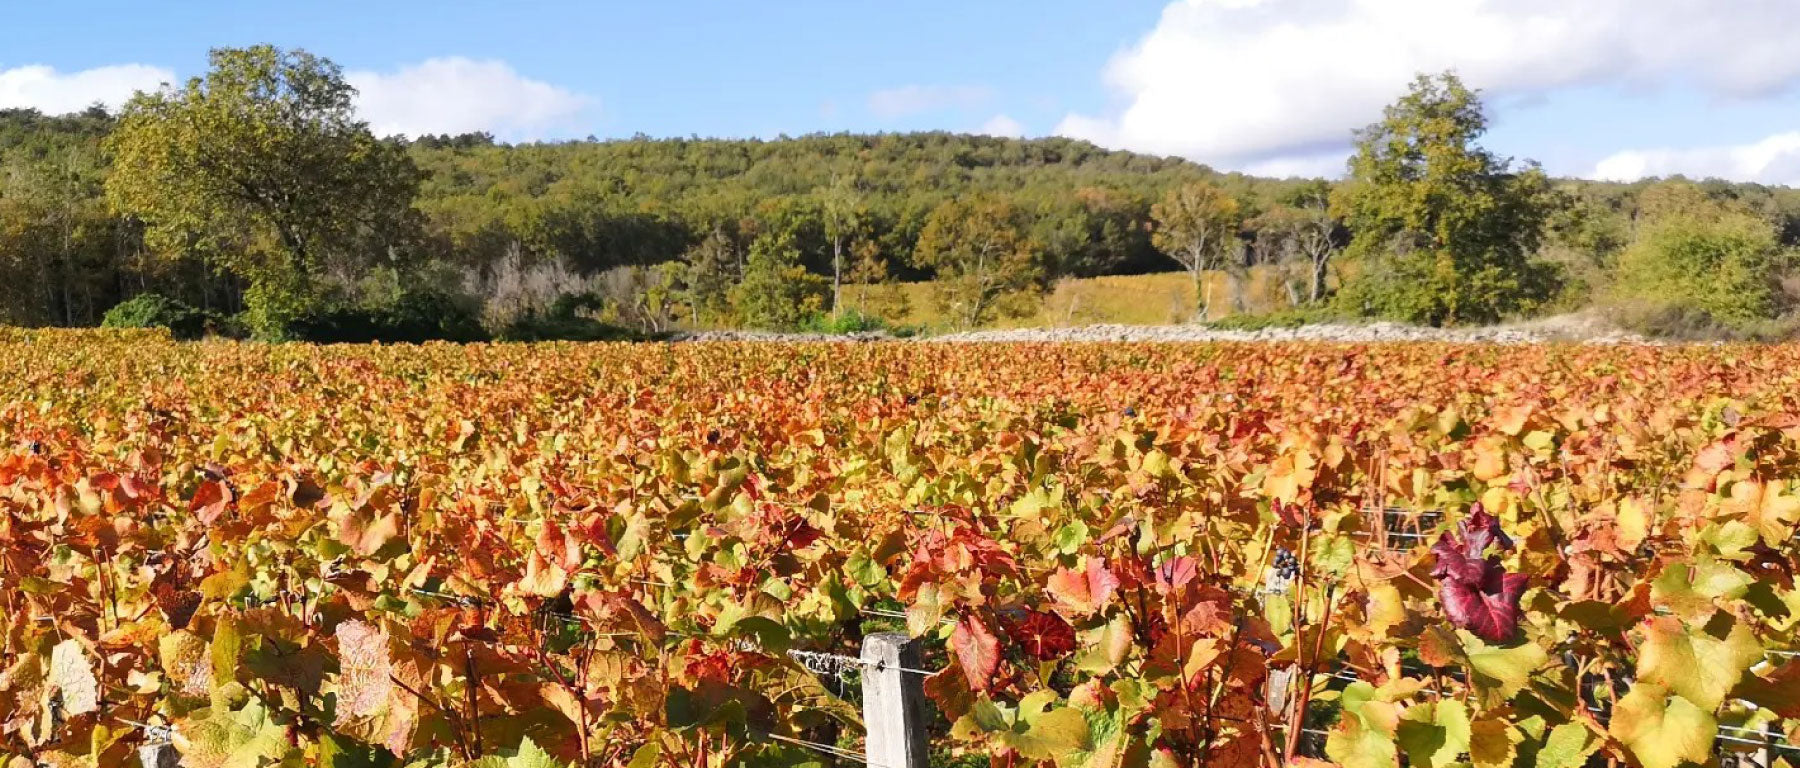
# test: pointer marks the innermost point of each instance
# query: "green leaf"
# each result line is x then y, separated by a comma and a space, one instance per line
1701, 665
243, 738
1568, 747
1502, 672
646, 756
864, 569
1690, 589
1070, 538
1054, 733
224, 651
1332, 554
1361, 739
338, 752
926, 612
1434, 734
530, 755
1663, 731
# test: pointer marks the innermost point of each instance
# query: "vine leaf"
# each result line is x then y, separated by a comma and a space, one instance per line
1697, 663
1082, 593
1492, 743
977, 650
1477, 593
185, 659
1503, 671
1434, 734
1364, 736
1663, 731
1568, 746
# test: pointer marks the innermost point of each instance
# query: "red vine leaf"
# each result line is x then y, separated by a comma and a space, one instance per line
1083, 593
1478, 594
977, 650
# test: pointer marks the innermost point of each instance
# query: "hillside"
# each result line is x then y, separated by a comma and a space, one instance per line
516, 227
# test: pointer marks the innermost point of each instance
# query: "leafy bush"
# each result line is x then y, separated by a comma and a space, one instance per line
1287, 318
1722, 267
1685, 322
151, 310
566, 319
414, 316
854, 321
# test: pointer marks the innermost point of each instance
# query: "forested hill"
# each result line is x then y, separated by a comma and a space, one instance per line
516, 227
606, 200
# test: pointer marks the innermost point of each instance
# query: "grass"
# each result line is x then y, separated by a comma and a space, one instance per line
1154, 299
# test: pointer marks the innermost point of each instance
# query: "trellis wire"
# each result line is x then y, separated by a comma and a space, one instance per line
836, 665
825, 749
1381, 539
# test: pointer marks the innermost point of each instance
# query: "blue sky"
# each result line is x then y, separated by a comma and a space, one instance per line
661, 68
1609, 88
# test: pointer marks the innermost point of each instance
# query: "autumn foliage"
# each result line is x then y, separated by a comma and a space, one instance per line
599, 554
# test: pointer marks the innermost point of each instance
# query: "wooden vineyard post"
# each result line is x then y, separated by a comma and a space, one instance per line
1278, 693
893, 702
159, 755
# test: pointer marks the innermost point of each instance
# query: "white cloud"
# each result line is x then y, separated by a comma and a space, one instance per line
459, 95
56, 93
913, 99
1004, 126
1238, 83
1774, 160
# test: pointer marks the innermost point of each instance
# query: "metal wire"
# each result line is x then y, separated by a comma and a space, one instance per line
825, 749
837, 664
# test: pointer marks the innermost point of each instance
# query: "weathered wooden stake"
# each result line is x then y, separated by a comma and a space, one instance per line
159, 755
893, 702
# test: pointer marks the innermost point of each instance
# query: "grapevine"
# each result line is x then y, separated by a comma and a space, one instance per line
602, 554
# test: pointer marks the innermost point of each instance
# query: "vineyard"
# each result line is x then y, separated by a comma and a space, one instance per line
1112, 556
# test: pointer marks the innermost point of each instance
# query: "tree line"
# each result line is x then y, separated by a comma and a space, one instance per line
250, 200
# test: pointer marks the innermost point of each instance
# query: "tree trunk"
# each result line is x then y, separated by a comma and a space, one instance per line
1200, 292
837, 276
1318, 279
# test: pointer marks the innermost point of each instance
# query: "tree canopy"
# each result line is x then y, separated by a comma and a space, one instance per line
1445, 230
262, 166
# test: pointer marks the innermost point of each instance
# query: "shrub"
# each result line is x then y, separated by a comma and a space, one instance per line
777, 292
1287, 318
851, 321
566, 319
1722, 267
150, 310
1685, 322
413, 316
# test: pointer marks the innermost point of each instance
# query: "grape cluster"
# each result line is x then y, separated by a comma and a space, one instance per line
1286, 565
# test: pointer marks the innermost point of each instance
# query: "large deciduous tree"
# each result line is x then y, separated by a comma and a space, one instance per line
1197, 225
1445, 231
262, 165
982, 256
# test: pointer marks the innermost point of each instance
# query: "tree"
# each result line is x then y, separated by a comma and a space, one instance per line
777, 292
709, 269
1197, 226
982, 257
1695, 253
841, 211
1301, 230
1445, 231
262, 164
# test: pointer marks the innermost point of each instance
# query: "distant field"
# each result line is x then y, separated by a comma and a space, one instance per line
1154, 299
